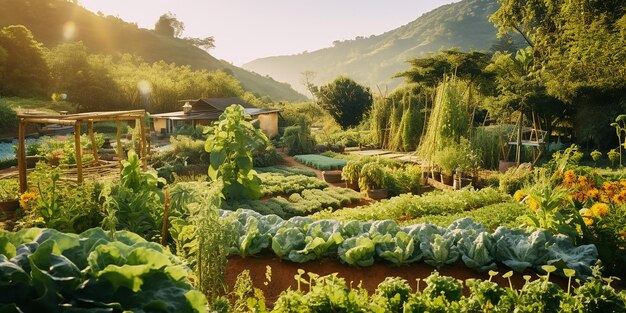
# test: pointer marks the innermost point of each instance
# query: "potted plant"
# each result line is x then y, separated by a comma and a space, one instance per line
9, 197
372, 179
55, 156
350, 173
448, 160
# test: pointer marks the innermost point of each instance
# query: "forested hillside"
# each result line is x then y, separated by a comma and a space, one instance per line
374, 60
52, 20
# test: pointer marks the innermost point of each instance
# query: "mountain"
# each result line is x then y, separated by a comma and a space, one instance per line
111, 35
373, 60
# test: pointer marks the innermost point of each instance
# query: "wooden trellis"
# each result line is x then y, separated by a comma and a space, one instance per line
75, 120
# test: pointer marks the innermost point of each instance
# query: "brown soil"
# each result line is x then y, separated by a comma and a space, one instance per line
282, 273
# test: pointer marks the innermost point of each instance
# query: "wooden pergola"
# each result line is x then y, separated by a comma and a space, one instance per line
75, 120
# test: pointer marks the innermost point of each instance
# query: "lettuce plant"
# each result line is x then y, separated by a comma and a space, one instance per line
357, 251
43, 270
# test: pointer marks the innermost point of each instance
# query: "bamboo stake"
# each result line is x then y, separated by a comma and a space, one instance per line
94, 146
21, 157
165, 213
120, 149
79, 162
142, 134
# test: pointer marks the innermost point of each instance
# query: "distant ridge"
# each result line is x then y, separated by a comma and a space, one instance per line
110, 35
373, 60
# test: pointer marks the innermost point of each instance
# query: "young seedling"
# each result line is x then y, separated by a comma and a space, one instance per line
569, 273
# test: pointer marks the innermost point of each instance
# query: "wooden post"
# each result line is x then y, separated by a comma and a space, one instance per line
94, 146
142, 144
120, 149
21, 157
79, 161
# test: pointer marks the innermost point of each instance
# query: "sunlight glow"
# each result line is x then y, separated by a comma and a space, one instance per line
69, 30
145, 87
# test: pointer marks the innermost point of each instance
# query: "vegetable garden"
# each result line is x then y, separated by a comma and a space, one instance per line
199, 243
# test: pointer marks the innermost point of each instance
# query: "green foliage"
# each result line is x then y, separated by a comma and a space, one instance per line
298, 139
411, 206
298, 204
23, 70
268, 156
46, 270
372, 176
136, 203
202, 239
396, 120
361, 243
449, 119
231, 142
514, 179
8, 118
84, 82
320, 162
9, 189
285, 170
492, 216
276, 184
345, 100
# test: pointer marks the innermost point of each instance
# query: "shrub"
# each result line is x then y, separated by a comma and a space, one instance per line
298, 140
8, 117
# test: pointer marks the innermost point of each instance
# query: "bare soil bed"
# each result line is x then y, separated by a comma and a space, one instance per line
283, 273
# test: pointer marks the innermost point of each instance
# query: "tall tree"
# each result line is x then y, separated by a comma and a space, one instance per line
430, 71
169, 25
345, 100
579, 53
23, 70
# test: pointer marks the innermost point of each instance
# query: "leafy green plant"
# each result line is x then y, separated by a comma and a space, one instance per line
135, 203
285, 170
595, 155
231, 143
613, 156
275, 184
46, 270
357, 251
372, 176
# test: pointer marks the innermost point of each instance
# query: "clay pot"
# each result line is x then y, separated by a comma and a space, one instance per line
332, 176
377, 194
353, 185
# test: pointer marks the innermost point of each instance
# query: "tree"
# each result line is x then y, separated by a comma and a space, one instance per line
345, 100
85, 82
307, 81
23, 70
205, 44
579, 54
430, 71
168, 25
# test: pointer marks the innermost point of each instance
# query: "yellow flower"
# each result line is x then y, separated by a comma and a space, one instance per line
599, 209
592, 193
534, 205
519, 195
569, 177
26, 200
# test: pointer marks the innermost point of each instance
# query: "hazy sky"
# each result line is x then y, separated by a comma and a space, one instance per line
248, 29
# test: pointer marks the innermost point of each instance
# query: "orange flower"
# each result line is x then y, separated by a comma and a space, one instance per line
569, 177
600, 209
592, 193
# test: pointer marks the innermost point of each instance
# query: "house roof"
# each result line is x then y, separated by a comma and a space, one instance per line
180, 115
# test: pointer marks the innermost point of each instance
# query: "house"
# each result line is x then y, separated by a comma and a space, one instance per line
205, 111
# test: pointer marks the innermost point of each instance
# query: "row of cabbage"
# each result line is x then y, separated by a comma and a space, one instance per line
300, 239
